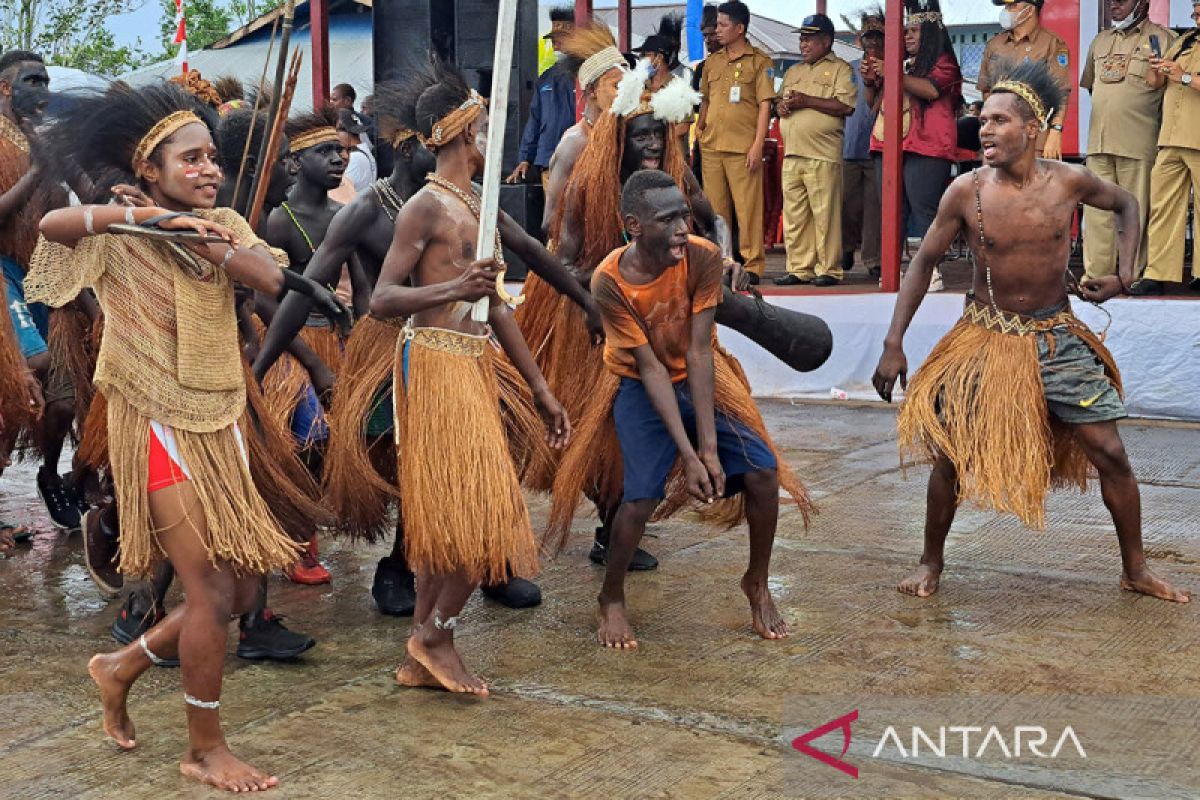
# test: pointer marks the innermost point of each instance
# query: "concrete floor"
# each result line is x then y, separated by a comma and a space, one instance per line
704, 710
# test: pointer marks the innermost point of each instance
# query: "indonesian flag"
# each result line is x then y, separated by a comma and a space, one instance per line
181, 36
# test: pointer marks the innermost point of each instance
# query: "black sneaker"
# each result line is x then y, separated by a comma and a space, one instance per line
264, 638
515, 593
1147, 287
61, 502
792, 280
825, 280
394, 588
642, 561
100, 554
847, 260
133, 621
1194, 284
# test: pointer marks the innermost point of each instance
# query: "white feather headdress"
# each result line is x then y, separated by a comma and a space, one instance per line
675, 102
629, 90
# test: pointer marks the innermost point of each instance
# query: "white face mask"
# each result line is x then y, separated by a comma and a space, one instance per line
1128, 22
1009, 20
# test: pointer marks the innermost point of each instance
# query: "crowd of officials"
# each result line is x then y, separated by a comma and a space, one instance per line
825, 112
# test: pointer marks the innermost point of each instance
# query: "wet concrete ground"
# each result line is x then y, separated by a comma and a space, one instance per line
704, 710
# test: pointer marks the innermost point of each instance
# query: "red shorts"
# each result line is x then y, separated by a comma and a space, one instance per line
165, 468
165, 465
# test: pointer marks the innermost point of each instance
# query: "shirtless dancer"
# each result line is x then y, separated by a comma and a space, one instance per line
1020, 395
364, 228
464, 517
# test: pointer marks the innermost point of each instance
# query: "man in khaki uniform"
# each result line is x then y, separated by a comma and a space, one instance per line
1024, 39
1177, 166
1123, 132
816, 97
738, 92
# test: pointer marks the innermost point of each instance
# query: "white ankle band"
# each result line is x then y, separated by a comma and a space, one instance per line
146, 649
211, 705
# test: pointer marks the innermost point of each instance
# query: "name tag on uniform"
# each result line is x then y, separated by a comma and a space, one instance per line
1113, 68
735, 93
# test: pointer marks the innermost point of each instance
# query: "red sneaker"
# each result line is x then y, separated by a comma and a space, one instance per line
308, 570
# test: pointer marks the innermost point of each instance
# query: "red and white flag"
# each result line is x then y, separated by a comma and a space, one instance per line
181, 36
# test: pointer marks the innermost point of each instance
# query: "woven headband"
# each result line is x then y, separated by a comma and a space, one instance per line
598, 64
455, 122
313, 138
1026, 93
162, 130
401, 136
922, 17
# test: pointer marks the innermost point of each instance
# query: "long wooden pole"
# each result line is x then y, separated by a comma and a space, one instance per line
893, 91
263, 177
489, 210
262, 81
262, 173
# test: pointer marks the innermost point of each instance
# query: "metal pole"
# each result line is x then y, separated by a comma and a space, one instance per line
489, 206
893, 86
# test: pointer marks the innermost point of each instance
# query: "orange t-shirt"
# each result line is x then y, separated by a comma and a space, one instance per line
658, 313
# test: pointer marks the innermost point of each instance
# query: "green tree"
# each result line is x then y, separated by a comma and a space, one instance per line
207, 21
70, 33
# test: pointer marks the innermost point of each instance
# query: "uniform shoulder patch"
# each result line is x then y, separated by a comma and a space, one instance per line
1062, 58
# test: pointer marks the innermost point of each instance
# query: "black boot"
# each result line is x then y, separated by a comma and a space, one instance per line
263, 637
642, 561
514, 593
394, 588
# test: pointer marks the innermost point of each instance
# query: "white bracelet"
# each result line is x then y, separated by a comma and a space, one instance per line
129, 218
87, 220
228, 256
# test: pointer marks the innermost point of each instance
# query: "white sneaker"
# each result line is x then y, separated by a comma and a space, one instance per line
935, 282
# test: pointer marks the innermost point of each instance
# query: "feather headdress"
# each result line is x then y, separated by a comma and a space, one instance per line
631, 88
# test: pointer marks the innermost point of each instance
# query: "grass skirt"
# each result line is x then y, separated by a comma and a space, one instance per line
462, 504
239, 528
978, 398
360, 473
556, 330
592, 465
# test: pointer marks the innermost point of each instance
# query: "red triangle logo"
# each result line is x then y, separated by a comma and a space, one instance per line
801, 743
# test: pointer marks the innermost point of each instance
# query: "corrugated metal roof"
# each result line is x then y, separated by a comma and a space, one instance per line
350, 59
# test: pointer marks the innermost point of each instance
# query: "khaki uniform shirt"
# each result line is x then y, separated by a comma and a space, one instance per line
1181, 104
809, 132
1040, 45
1125, 111
731, 127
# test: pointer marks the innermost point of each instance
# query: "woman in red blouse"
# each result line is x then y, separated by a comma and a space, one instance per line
932, 92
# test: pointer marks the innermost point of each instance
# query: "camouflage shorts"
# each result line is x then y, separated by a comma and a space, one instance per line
1076, 387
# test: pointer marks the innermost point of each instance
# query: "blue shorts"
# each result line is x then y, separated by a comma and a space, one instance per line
308, 419
649, 453
30, 321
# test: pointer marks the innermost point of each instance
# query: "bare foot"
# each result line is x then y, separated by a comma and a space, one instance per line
922, 582
224, 770
442, 662
113, 695
767, 621
411, 673
614, 630
1146, 582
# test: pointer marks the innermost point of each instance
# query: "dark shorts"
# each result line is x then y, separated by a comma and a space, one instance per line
381, 420
1076, 386
30, 321
308, 419
649, 453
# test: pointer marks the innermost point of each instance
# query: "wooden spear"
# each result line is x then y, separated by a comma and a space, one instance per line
262, 83
263, 174
497, 120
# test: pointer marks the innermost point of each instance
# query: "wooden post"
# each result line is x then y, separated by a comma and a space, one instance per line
890, 201
624, 25
489, 206
583, 13
319, 19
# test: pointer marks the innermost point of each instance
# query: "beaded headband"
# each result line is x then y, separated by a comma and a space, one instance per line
313, 138
455, 122
922, 17
1026, 93
165, 127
